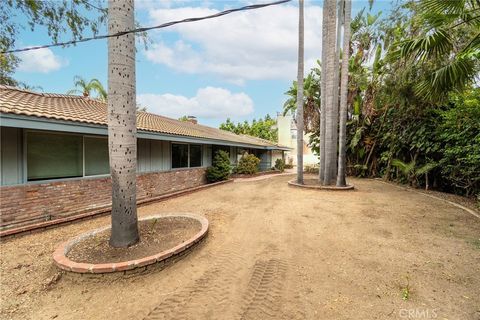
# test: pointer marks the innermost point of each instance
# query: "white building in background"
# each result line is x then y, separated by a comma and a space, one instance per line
287, 136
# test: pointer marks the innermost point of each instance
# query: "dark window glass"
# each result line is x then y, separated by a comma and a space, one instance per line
195, 155
96, 156
51, 156
179, 155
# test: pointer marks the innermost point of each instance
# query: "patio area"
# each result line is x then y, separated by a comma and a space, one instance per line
272, 252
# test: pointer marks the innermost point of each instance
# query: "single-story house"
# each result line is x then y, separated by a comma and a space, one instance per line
54, 155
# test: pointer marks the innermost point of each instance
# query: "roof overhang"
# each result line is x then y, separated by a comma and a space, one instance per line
38, 123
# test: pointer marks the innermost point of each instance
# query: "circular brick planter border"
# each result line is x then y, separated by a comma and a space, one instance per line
294, 183
61, 260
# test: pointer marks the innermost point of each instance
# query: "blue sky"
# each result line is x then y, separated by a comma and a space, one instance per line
236, 66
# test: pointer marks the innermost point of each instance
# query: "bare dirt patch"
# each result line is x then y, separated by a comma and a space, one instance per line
273, 252
156, 235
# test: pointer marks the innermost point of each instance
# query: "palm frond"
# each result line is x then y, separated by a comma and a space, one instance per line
443, 6
426, 168
436, 44
404, 167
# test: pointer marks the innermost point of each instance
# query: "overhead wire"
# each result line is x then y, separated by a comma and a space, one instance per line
144, 29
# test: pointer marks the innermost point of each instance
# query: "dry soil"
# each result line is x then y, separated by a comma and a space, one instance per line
273, 252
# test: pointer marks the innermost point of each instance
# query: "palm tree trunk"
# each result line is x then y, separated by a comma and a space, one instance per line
300, 95
342, 152
321, 168
337, 85
330, 147
122, 130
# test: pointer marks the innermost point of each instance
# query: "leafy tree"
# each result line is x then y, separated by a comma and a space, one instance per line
221, 167
261, 128
87, 87
58, 18
459, 142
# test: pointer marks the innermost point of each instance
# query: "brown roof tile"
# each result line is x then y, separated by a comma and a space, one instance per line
88, 110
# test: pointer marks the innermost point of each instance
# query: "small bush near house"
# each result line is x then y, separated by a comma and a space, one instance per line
220, 169
288, 166
248, 164
280, 165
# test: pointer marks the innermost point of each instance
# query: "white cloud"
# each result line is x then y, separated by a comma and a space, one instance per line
209, 102
254, 45
41, 60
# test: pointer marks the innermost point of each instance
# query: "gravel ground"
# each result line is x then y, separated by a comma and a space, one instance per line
273, 252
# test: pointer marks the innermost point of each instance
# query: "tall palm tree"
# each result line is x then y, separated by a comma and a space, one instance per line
300, 94
460, 61
342, 138
86, 87
328, 70
122, 132
336, 81
321, 169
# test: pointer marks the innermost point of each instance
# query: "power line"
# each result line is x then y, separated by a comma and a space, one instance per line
144, 29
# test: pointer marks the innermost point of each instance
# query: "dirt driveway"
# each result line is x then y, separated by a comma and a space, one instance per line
273, 252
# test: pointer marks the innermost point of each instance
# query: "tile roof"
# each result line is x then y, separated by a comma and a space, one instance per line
87, 110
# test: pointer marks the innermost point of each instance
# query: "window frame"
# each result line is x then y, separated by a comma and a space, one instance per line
188, 155
83, 176
190, 158
171, 155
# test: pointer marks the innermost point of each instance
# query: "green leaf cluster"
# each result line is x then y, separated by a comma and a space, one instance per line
221, 167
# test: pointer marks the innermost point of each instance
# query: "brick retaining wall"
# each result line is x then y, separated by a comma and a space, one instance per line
25, 204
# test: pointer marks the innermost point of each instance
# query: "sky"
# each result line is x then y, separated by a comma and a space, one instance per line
237, 66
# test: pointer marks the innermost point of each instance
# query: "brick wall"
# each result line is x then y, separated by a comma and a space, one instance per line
30, 203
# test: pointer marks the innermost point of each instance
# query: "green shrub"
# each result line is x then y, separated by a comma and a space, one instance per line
221, 167
310, 169
280, 165
288, 166
248, 164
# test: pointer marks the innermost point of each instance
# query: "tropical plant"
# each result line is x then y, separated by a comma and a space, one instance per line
450, 35
122, 130
221, 167
86, 88
458, 136
248, 164
412, 172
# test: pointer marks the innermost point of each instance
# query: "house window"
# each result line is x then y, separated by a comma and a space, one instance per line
179, 155
195, 155
96, 156
52, 156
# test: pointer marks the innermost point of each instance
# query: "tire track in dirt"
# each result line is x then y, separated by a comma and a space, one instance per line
262, 298
211, 292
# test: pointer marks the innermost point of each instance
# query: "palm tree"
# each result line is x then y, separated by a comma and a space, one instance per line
460, 61
122, 130
328, 70
336, 75
300, 95
321, 169
86, 87
342, 138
